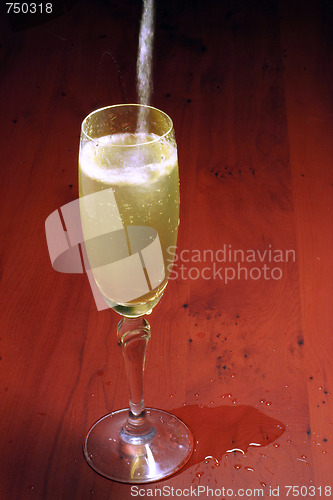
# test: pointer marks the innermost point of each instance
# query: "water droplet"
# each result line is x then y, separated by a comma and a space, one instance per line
237, 466
211, 458
236, 449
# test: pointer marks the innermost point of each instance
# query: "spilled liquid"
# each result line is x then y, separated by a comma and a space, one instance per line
224, 429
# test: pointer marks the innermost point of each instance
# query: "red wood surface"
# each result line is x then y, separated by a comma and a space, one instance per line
242, 360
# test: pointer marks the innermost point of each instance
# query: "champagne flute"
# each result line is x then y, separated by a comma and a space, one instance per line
129, 207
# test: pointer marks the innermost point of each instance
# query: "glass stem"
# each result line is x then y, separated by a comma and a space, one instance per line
133, 335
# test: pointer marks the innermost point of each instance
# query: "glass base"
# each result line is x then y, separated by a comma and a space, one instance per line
156, 455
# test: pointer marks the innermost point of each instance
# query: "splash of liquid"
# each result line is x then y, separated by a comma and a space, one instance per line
144, 60
226, 429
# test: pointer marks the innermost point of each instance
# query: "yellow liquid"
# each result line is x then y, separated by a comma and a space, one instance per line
145, 185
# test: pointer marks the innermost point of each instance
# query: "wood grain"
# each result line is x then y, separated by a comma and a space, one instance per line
249, 88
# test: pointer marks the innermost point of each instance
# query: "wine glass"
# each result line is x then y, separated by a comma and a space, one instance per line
129, 207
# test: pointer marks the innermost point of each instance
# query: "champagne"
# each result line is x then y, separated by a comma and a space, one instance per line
140, 171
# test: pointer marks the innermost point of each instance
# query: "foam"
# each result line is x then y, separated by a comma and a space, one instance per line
107, 159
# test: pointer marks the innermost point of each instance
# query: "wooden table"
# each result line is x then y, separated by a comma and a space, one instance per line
241, 342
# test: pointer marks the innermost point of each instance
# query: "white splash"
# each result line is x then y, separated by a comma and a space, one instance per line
109, 163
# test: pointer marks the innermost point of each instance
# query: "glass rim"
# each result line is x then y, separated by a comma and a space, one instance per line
127, 106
